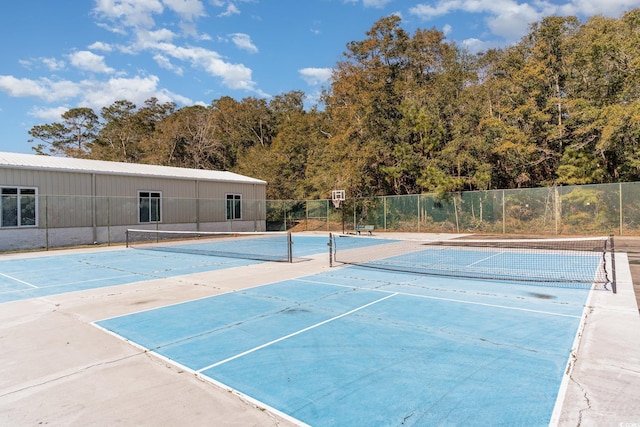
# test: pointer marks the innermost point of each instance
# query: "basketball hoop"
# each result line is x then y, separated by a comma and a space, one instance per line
337, 196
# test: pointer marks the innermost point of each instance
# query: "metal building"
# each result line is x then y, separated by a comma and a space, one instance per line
48, 202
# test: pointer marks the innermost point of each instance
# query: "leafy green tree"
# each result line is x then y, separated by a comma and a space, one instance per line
126, 127
288, 160
243, 124
187, 138
393, 98
73, 137
602, 111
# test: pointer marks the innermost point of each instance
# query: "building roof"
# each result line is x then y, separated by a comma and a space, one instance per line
67, 164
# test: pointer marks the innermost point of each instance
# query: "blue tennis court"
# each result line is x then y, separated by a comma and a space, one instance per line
355, 346
52, 274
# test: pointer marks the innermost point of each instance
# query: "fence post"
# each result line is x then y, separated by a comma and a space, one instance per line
108, 221
621, 215
419, 216
384, 211
556, 208
328, 212
504, 216
455, 211
46, 222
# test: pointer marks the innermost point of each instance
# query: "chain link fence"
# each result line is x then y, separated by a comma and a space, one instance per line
32, 221
569, 210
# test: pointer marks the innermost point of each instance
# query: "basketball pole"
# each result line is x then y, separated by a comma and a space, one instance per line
337, 197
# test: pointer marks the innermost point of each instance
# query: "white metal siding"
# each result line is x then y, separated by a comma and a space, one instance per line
56, 183
101, 198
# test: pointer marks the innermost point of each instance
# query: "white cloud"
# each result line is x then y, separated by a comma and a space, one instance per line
474, 45
122, 15
316, 76
138, 16
26, 63
104, 47
187, 9
89, 61
315, 28
610, 8
129, 13
230, 10
102, 93
48, 114
62, 89
19, 88
90, 93
166, 63
53, 64
45, 89
234, 76
379, 4
148, 39
243, 41
510, 19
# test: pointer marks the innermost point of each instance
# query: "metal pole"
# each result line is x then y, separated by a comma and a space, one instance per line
46, 221
620, 197
108, 221
328, 211
504, 217
614, 286
330, 244
419, 215
455, 210
355, 218
384, 204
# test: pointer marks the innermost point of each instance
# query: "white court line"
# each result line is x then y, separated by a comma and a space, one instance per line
484, 259
506, 307
18, 280
213, 365
13, 291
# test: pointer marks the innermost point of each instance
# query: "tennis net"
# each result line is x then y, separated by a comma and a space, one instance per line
575, 262
267, 246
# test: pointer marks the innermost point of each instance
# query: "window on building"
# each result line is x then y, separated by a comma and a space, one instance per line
150, 206
18, 207
234, 206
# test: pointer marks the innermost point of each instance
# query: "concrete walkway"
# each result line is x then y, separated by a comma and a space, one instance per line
603, 387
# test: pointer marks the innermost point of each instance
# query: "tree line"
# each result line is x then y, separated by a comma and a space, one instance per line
405, 114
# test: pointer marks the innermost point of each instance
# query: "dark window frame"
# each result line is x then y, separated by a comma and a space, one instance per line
149, 206
234, 206
18, 207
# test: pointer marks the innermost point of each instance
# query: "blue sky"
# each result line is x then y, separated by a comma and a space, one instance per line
64, 54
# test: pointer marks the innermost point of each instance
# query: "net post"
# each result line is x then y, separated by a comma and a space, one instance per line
126, 238
289, 247
614, 286
330, 244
